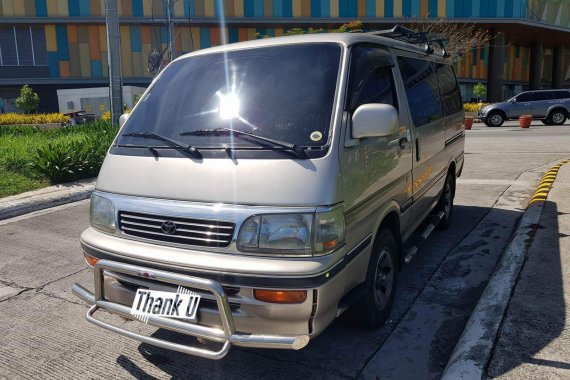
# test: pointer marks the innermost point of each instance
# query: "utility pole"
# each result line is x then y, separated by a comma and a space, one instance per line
169, 11
114, 60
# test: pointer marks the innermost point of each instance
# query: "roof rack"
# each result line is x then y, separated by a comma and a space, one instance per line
421, 39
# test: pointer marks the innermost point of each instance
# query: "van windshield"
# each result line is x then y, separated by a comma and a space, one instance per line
280, 92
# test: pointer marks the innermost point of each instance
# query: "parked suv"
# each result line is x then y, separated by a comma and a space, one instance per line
260, 189
552, 107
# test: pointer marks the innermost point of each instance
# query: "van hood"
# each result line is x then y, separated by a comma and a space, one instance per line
279, 182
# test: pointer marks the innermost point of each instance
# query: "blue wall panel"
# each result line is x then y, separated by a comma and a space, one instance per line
248, 8
278, 8
84, 8
508, 8
389, 8
73, 7
41, 8
136, 44
406, 8
432, 8
138, 8
325, 8
415, 8
287, 8
233, 35
218, 8
96, 69
53, 64
315, 8
204, 38
62, 45
258, 8
370, 8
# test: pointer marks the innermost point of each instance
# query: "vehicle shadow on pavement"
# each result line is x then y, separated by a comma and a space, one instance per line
536, 316
343, 350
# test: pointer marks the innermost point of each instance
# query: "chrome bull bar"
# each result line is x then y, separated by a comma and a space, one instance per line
227, 335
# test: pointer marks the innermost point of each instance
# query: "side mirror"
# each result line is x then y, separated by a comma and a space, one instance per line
374, 120
512, 101
122, 119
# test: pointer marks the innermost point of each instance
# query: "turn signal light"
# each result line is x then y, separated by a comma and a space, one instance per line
91, 261
280, 296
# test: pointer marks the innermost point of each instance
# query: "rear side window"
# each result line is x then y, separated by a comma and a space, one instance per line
561, 95
420, 82
449, 90
371, 79
545, 95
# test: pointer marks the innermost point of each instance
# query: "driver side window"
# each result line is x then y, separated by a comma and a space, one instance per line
371, 79
524, 98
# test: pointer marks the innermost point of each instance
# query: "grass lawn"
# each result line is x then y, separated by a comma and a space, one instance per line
18, 146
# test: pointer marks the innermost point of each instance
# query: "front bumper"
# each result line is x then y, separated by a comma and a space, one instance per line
225, 334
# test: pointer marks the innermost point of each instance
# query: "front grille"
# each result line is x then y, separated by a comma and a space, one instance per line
187, 231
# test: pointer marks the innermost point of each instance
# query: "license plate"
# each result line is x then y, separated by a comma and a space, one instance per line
183, 304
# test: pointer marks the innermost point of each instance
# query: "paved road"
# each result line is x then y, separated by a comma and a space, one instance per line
44, 333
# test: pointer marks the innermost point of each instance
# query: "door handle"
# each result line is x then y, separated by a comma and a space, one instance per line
418, 153
403, 142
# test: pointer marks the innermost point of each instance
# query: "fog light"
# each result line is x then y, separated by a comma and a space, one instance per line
91, 261
280, 296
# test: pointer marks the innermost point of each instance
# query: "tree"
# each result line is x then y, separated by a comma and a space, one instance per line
479, 90
348, 27
28, 100
458, 39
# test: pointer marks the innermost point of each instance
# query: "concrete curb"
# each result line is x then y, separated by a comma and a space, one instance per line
44, 198
473, 350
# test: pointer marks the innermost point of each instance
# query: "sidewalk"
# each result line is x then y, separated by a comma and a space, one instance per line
534, 339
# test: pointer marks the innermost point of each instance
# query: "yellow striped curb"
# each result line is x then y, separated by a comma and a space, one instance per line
545, 184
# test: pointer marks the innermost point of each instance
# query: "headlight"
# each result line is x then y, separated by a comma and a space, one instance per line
293, 234
102, 213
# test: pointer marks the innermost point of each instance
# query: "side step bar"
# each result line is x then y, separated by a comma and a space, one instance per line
423, 236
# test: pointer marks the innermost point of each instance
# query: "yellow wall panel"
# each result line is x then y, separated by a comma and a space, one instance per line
8, 7
334, 8
361, 8
209, 8
441, 8
424, 8
51, 41
103, 38
306, 8
179, 9
30, 8
85, 60
147, 7
238, 7
268, 8
126, 54
297, 8
95, 8
137, 64
52, 8
62, 7
379, 8
397, 8
278, 32
251, 33
186, 39
1, 11
195, 37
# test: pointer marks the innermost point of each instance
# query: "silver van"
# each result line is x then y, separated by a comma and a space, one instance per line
260, 189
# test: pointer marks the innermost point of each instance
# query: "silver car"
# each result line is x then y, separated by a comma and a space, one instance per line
260, 189
552, 107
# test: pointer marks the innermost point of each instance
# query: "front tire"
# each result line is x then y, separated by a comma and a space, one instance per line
495, 119
380, 286
546, 122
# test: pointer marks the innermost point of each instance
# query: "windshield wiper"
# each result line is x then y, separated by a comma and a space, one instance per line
151, 135
298, 151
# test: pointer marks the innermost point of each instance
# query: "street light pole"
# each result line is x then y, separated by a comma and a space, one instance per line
114, 60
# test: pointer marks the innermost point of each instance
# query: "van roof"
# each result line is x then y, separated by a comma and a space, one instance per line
346, 39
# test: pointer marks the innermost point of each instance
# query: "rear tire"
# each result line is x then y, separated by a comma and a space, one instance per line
557, 117
495, 119
446, 202
380, 286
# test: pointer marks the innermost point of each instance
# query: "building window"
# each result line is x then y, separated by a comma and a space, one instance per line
22, 46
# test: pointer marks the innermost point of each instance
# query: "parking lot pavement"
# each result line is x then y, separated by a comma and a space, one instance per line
534, 340
45, 335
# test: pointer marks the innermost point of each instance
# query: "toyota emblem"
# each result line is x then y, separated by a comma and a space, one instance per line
168, 227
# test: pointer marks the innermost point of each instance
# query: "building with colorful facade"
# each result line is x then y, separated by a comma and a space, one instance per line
57, 44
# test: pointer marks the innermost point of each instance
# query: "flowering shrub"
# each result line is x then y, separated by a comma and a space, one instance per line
40, 118
473, 107
106, 116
